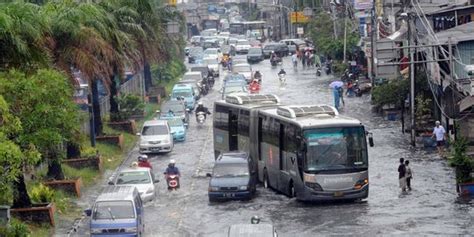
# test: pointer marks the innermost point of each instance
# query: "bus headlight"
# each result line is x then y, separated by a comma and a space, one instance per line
314, 186
361, 183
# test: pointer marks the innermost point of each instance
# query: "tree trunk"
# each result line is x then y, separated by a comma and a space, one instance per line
73, 150
147, 74
20, 193
96, 108
114, 107
55, 171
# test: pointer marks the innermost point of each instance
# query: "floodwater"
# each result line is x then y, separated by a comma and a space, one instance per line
431, 208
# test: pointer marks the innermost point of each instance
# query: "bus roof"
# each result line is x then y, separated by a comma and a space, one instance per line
250, 101
311, 116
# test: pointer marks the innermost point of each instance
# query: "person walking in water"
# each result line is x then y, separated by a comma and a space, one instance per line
440, 134
337, 97
408, 175
401, 175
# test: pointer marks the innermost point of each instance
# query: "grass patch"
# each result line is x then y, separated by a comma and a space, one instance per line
88, 175
40, 230
113, 155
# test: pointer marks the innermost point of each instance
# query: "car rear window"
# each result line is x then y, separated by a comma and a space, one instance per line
155, 130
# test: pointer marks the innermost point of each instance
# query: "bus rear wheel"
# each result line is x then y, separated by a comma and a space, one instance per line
266, 184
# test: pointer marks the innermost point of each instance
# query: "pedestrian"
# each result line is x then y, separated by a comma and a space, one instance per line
294, 59
337, 97
409, 174
341, 95
308, 63
303, 60
350, 89
440, 134
401, 175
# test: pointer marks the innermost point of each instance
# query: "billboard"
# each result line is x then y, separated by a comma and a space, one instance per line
363, 4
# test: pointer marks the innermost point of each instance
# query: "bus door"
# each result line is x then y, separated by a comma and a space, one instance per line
233, 131
284, 175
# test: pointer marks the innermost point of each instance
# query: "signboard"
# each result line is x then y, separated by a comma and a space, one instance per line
363, 4
300, 30
172, 28
172, 2
298, 17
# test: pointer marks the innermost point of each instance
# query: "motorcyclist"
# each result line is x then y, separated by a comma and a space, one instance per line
273, 56
143, 162
170, 113
282, 72
172, 169
254, 85
203, 109
257, 75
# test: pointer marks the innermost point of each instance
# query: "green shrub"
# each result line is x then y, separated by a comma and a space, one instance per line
391, 93
128, 105
41, 194
15, 229
463, 163
88, 151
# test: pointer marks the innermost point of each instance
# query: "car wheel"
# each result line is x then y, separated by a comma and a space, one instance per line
266, 184
212, 199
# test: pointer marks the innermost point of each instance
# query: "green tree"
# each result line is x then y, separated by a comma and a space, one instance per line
23, 36
42, 102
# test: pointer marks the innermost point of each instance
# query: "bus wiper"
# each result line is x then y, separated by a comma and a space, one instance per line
110, 212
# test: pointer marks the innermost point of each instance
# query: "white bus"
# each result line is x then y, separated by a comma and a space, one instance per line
308, 152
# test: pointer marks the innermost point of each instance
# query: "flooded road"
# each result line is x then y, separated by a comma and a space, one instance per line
431, 208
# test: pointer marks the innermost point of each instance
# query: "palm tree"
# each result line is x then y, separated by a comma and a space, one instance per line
80, 33
23, 37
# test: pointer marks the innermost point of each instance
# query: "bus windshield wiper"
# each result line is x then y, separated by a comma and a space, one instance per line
110, 212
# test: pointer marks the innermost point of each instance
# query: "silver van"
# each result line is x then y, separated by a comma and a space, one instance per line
155, 137
118, 210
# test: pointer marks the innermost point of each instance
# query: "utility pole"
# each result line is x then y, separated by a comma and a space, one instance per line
412, 82
345, 33
372, 46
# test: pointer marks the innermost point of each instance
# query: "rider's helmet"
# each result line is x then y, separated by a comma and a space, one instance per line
142, 158
255, 220
172, 163
200, 103
134, 164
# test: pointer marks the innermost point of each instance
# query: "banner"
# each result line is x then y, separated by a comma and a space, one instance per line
363, 4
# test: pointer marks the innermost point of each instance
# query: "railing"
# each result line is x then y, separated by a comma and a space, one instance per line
134, 86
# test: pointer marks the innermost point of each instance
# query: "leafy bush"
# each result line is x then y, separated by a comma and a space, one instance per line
339, 67
391, 93
88, 152
463, 163
15, 229
168, 71
41, 194
128, 105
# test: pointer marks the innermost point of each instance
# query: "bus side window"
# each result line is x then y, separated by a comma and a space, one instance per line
260, 124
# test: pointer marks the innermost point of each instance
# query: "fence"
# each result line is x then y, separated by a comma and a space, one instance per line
135, 85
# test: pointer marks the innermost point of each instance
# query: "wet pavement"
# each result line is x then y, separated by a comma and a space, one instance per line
431, 208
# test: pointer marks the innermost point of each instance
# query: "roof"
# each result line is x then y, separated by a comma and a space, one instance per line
444, 9
458, 34
117, 193
155, 122
194, 73
233, 157
315, 120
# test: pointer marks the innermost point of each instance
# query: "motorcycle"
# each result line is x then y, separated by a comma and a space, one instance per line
282, 78
274, 61
173, 181
211, 81
201, 117
327, 68
318, 71
203, 89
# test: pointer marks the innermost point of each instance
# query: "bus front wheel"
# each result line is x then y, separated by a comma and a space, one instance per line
291, 191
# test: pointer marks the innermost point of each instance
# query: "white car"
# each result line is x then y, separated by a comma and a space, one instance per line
244, 69
138, 177
212, 53
155, 137
213, 65
242, 46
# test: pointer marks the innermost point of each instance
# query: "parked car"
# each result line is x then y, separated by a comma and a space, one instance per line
177, 108
255, 55
138, 177
280, 49
213, 65
117, 207
234, 77
196, 40
244, 69
231, 178
204, 69
186, 92
155, 137
178, 129
242, 46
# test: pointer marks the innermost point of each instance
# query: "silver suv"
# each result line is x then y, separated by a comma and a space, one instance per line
156, 137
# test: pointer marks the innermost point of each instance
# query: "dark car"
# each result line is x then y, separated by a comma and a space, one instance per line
280, 49
204, 69
232, 178
210, 44
195, 55
255, 55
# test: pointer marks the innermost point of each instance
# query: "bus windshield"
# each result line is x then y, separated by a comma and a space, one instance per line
335, 148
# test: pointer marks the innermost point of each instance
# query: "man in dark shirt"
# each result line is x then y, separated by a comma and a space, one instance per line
401, 175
